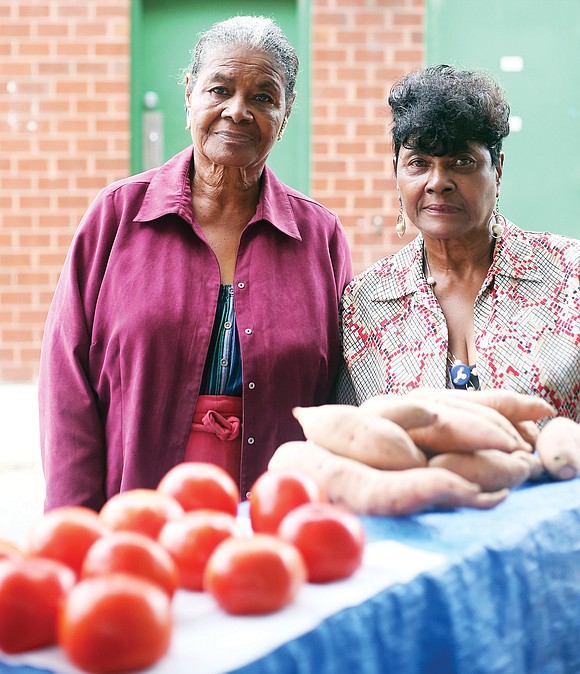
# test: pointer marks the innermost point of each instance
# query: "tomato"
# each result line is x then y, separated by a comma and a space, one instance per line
115, 623
199, 485
9, 550
141, 510
330, 538
191, 540
65, 534
254, 575
275, 493
31, 591
134, 553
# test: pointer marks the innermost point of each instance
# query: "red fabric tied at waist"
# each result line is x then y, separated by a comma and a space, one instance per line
226, 428
216, 433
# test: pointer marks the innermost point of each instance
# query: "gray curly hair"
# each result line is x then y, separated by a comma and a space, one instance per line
256, 32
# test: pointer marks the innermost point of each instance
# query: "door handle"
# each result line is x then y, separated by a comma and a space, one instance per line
152, 131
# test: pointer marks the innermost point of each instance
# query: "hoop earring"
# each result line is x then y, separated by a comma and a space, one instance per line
401, 225
496, 223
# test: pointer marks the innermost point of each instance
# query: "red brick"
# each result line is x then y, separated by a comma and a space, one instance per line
81, 88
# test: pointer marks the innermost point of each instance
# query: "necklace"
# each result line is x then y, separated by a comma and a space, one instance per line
462, 376
428, 276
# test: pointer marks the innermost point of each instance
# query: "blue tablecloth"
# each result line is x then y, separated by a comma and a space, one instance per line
504, 600
508, 602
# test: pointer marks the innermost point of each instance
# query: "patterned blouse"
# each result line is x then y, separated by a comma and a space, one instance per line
527, 323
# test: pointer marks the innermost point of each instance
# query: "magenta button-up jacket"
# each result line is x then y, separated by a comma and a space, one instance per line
128, 331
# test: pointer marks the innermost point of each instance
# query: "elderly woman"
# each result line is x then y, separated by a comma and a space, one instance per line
473, 301
199, 300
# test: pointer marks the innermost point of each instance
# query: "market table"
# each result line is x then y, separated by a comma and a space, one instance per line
474, 592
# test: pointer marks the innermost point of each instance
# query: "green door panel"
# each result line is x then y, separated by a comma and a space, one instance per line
541, 77
163, 34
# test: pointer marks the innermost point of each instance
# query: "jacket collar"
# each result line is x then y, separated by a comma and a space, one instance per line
402, 273
169, 191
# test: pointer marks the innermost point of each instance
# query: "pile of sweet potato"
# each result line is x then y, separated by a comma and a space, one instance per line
396, 455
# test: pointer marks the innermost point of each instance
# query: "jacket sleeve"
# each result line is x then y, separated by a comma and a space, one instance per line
341, 259
72, 438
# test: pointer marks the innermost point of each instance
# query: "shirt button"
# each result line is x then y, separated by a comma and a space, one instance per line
252, 385
248, 494
231, 290
224, 362
241, 284
227, 325
248, 331
250, 441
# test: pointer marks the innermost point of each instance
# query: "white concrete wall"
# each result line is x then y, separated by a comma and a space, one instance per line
21, 480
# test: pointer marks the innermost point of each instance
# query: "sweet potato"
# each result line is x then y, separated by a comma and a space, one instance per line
369, 491
352, 432
490, 414
514, 406
491, 469
529, 430
558, 445
462, 430
536, 467
402, 410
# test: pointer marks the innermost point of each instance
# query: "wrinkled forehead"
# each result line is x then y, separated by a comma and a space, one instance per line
441, 147
234, 61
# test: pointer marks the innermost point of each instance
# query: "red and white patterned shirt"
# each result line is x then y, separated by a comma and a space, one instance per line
527, 323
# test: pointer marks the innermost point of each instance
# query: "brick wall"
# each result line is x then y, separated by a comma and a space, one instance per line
64, 134
359, 48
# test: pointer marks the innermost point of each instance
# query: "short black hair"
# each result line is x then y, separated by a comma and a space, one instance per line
440, 109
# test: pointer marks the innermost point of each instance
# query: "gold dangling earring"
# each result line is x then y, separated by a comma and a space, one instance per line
282, 128
496, 222
401, 226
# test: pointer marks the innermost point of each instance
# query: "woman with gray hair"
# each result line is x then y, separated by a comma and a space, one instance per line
198, 303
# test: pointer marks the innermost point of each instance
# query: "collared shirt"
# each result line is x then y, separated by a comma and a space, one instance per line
526, 320
128, 331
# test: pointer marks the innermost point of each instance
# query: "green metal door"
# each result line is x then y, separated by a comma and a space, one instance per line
163, 34
533, 49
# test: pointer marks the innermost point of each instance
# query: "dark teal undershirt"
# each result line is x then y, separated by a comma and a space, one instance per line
223, 367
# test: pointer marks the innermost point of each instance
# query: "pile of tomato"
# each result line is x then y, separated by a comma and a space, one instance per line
100, 585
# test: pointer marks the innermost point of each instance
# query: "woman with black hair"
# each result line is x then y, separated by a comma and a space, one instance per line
473, 301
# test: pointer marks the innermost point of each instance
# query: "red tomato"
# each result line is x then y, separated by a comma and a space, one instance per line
31, 592
254, 575
330, 538
141, 510
9, 550
191, 540
134, 553
199, 485
275, 493
115, 623
65, 534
